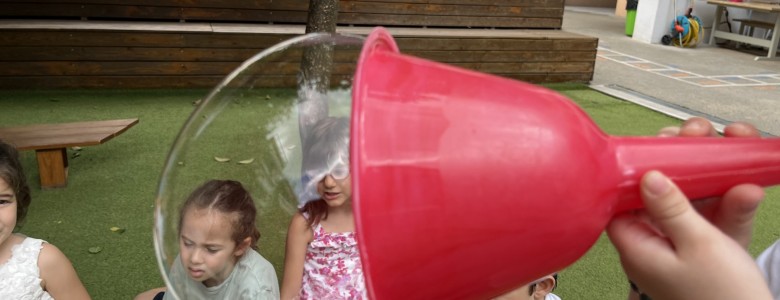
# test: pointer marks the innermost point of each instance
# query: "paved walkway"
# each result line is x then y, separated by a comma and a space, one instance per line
678, 73
722, 84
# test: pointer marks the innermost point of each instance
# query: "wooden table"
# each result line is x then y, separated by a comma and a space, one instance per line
50, 142
765, 7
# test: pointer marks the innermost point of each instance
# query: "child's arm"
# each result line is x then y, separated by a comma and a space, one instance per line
299, 235
59, 277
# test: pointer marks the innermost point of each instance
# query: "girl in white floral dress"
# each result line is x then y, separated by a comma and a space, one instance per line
29, 268
322, 259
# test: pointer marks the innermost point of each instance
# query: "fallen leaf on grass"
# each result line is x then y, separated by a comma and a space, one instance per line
117, 229
75, 148
95, 250
246, 161
221, 159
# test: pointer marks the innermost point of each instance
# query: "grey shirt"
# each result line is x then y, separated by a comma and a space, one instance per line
253, 277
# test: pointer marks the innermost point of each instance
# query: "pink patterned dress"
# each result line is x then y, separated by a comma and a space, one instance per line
332, 268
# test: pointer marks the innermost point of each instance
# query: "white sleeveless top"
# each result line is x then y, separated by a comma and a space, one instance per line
20, 277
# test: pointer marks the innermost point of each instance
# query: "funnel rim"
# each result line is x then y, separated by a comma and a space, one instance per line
378, 40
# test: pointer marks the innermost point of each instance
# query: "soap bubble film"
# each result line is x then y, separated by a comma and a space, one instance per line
250, 128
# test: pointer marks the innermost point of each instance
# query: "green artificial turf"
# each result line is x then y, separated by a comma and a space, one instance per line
115, 184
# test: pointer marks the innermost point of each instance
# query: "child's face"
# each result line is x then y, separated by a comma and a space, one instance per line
332, 179
7, 211
335, 192
208, 251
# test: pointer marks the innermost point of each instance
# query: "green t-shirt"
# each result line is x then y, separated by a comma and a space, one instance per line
253, 277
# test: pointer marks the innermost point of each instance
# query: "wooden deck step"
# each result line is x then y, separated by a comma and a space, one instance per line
430, 13
94, 54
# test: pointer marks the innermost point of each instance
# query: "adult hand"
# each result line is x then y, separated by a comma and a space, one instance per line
733, 213
672, 252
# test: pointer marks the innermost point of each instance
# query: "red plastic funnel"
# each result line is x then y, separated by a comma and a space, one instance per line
468, 185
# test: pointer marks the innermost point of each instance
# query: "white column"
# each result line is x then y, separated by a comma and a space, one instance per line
653, 19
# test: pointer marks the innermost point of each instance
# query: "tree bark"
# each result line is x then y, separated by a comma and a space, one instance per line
316, 66
322, 16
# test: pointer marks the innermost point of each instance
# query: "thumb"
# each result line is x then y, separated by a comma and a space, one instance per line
670, 210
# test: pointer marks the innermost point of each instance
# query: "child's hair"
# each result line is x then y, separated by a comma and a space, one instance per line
12, 173
228, 197
328, 139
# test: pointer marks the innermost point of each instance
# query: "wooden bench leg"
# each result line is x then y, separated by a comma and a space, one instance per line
53, 167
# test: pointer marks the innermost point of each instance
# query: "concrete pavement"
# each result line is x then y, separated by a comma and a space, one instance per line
719, 83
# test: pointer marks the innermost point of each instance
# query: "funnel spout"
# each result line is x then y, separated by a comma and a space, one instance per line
701, 167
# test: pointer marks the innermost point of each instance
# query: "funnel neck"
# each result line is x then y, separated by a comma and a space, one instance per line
701, 167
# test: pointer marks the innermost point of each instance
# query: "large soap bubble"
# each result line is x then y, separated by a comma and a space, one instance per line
250, 129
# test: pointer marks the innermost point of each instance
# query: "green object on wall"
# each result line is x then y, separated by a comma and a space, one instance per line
630, 19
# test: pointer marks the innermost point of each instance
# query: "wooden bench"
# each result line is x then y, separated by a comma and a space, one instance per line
747, 26
50, 142
771, 44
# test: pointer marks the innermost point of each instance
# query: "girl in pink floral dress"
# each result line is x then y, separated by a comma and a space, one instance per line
322, 259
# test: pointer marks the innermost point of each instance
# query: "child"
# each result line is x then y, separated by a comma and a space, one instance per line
540, 289
322, 259
29, 268
217, 243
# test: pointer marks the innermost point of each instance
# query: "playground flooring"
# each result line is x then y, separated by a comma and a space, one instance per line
717, 82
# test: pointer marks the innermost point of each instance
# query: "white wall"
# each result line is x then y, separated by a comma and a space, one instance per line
654, 18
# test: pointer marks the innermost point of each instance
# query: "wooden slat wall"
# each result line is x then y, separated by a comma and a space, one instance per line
150, 59
430, 13
178, 43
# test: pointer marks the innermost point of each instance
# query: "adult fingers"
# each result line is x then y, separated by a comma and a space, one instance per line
670, 131
670, 210
740, 129
697, 127
636, 240
736, 212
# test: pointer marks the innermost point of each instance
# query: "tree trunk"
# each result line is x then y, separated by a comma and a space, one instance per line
316, 66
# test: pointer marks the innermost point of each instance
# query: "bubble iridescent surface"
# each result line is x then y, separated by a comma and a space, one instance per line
248, 129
